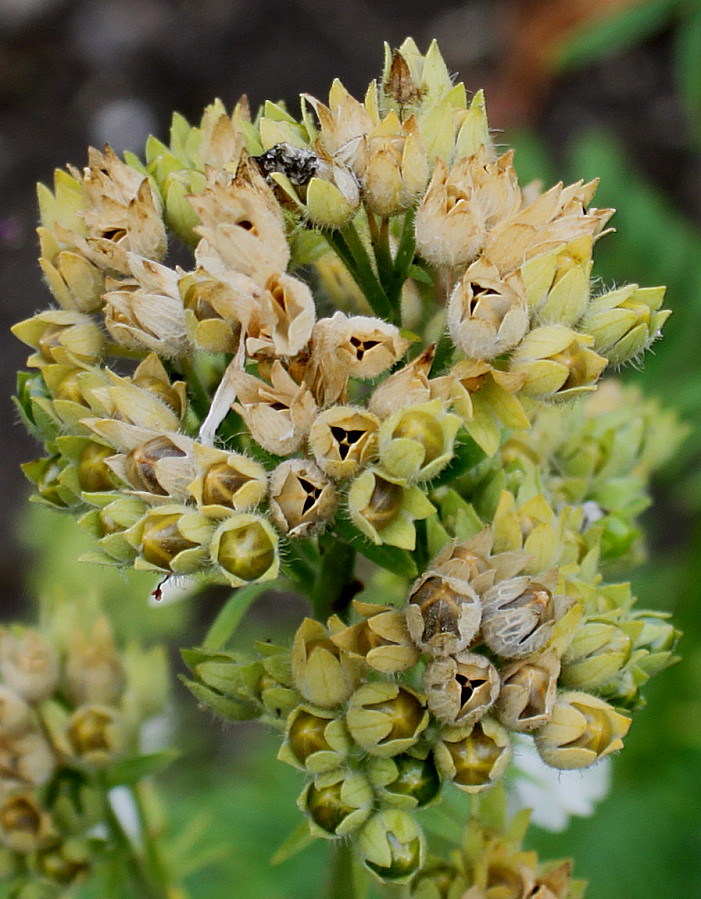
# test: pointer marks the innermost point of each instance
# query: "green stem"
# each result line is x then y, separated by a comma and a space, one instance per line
334, 574
344, 877
351, 251
153, 853
139, 871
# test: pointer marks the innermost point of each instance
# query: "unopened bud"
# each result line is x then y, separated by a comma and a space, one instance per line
245, 549
473, 758
28, 664
337, 802
322, 673
391, 845
385, 718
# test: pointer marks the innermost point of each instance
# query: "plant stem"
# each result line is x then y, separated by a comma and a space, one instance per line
350, 249
343, 882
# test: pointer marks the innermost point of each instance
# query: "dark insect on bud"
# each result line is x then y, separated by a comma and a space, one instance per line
299, 164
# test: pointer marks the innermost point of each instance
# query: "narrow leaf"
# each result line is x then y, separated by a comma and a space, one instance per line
298, 840
129, 771
231, 613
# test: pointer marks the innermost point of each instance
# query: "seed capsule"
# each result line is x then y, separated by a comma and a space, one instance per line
93, 475
462, 688
302, 498
23, 823
142, 461
162, 540
95, 734
316, 740
476, 758
527, 693
386, 719
245, 548
405, 780
391, 845
343, 439
337, 802
443, 614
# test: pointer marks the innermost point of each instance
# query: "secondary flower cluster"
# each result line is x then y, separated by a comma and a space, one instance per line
66, 717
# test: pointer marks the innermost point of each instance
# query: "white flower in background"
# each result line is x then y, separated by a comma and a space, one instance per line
554, 796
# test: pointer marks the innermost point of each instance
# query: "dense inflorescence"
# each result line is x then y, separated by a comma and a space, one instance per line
367, 346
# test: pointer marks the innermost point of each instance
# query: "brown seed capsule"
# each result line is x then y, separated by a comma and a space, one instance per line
461, 689
141, 463
95, 734
527, 693
302, 498
443, 614
518, 617
343, 439
161, 539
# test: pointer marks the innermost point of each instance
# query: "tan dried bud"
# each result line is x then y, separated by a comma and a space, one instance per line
322, 673
473, 758
29, 665
528, 691
315, 740
443, 614
407, 387
461, 689
302, 498
519, 616
385, 718
93, 670
381, 640
96, 735
581, 730
278, 414
487, 315
15, 714
343, 439
24, 825
245, 549
27, 759
337, 802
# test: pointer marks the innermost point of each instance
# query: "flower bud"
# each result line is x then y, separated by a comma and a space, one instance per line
163, 540
245, 549
343, 439
24, 825
473, 758
528, 689
443, 614
93, 670
438, 880
598, 651
27, 759
385, 511
69, 338
64, 861
391, 845
322, 673
315, 740
230, 480
519, 615
226, 682
460, 689
385, 718
15, 714
381, 640
302, 498
96, 735
395, 169
625, 321
408, 780
337, 802
417, 442
582, 730
556, 363
28, 664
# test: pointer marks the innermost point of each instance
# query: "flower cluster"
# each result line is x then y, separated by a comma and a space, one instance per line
374, 347
69, 715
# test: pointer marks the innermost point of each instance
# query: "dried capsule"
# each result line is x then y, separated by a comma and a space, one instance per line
443, 614
343, 439
302, 498
528, 690
461, 689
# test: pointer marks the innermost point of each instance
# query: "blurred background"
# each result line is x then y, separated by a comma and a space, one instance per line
582, 88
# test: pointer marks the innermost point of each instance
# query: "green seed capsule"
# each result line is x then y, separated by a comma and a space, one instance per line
221, 483
326, 806
417, 778
246, 552
385, 503
93, 474
162, 541
306, 735
424, 429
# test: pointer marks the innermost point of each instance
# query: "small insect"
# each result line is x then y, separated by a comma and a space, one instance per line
300, 165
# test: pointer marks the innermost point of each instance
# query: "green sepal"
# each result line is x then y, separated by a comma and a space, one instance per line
398, 561
224, 707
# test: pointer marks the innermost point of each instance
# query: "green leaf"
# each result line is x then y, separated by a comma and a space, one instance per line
231, 613
129, 771
601, 39
398, 561
298, 840
228, 708
467, 454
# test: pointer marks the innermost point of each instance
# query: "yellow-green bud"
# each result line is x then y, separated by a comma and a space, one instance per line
322, 673
93, 474
391, 845
337, 802
244, 547
473, 758
236, 482
64, 861
405, 780
598, 651
315, 741
385, 718
162, 539
581, 730
96, 735
416, 443
438, 880
381, 640
557, 362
